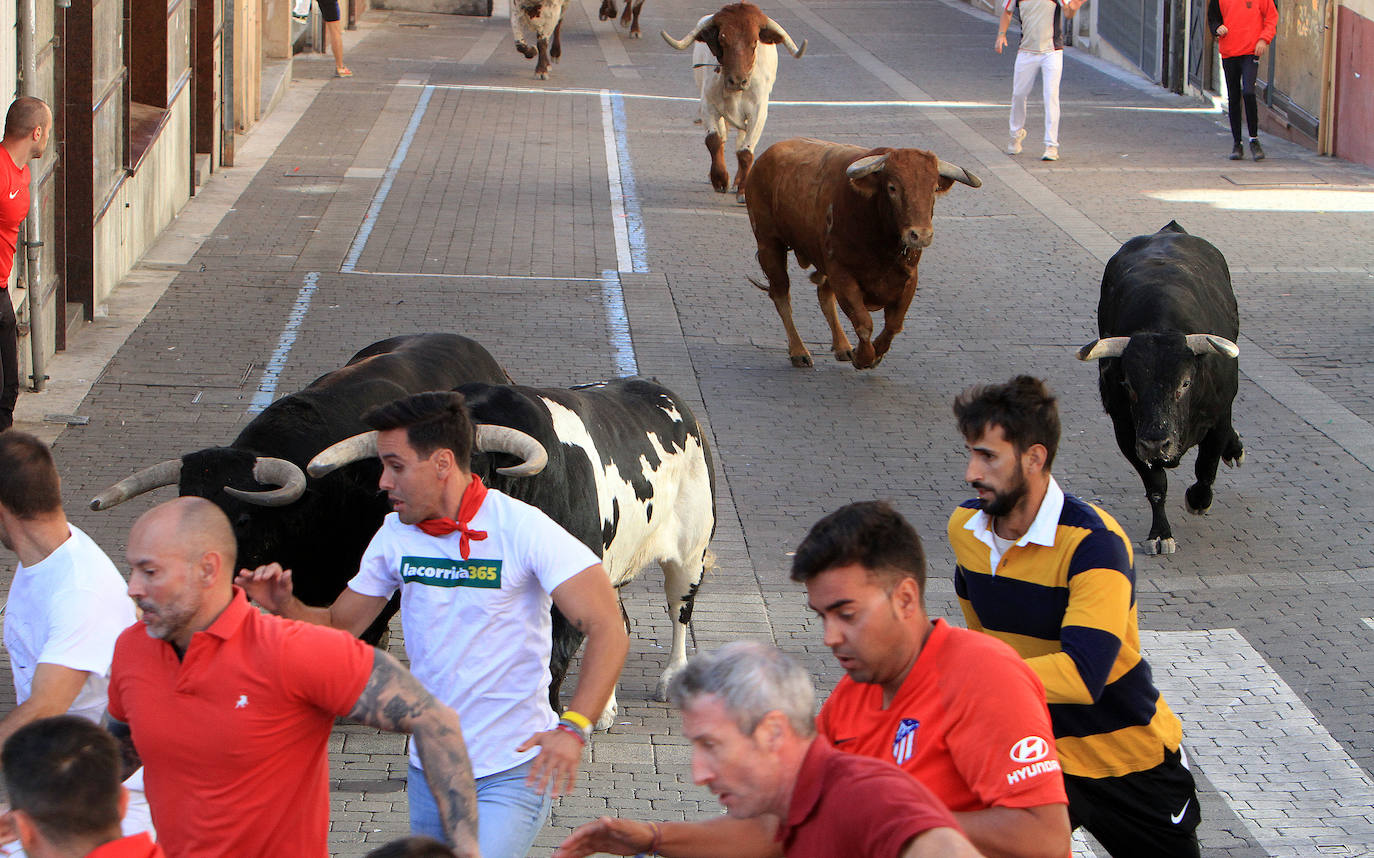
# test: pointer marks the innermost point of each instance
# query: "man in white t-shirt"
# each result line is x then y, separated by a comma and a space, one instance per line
67, 604
1041, 52
478, 572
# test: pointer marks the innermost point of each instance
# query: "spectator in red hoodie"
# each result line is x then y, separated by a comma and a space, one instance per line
1244, 29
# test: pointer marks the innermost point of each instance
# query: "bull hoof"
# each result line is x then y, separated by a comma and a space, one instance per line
607, 715
1199, 498
696, 121
845, 355
739, 197
721, 184
1160, 545
802, 361
1234, 456
541, 75
661, 690
525, 50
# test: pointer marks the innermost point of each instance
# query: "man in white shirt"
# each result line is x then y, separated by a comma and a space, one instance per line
1041, 52
478, 572
67, 603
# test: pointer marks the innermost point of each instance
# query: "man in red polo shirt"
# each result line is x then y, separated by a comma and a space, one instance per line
231, 709
62, 775
28, 125
747, 709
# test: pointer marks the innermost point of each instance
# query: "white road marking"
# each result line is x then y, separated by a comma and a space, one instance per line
617, 59
1368, 621
1279, 769
267, 385
379, 199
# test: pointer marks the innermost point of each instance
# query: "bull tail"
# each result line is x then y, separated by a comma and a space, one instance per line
1172, 226
757, 284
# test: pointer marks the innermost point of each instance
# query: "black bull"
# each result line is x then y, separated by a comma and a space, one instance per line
321, 533
1167, 324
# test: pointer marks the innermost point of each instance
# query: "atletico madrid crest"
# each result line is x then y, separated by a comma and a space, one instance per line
904, 744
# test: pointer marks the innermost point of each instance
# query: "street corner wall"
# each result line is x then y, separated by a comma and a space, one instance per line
146, 202
1354, 131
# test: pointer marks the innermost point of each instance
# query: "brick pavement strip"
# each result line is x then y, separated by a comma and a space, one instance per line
1263, 604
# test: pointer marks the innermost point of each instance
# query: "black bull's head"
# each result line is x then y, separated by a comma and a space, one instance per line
1164, 377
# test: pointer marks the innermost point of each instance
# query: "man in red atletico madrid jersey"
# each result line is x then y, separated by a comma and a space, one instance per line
28, 125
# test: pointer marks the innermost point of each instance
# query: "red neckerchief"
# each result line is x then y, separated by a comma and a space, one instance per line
473, 496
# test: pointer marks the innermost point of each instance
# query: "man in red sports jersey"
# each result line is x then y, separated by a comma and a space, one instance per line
28, 125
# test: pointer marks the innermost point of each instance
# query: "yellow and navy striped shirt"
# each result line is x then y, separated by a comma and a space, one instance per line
1063, 596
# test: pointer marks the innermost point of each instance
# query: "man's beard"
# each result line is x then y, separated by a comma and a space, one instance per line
1004, 502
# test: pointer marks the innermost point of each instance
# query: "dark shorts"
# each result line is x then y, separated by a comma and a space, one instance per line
329, 9
1149, 814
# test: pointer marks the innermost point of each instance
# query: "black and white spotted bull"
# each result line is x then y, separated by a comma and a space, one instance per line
622, 465
1168, 323
543, 19
318, 528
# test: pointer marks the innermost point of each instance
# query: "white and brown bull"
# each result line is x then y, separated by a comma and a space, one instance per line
736, 64
862, 218
544, 20
629, 18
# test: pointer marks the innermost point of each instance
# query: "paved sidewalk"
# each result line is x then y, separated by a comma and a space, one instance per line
569, 226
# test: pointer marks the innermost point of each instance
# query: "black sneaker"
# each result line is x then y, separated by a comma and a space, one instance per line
1256, 150
1237, 152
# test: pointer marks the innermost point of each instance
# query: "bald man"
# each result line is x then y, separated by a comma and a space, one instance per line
230, 709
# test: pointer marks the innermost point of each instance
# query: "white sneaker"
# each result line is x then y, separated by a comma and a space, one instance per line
1014, 147
1051, 154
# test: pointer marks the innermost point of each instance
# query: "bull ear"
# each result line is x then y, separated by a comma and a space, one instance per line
769, 37
711, 37
1098, 349
1204, 344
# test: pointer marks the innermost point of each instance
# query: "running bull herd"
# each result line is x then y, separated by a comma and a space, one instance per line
623, 464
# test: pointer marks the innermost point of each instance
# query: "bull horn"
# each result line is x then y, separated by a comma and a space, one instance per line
686, 41
959, 174
1202, 344
166, 473
503, 439
270, 471
866, 166
349, 450
1109, 348
775, 27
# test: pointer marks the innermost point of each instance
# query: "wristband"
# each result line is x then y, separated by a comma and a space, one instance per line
576, 729
655, 841
571, 731
577, 719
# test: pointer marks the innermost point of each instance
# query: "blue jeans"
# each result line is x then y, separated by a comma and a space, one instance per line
509, 814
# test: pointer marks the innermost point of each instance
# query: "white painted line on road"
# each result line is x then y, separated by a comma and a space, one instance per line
1368, 621
267, 385
552, 277
618, 323
374, 210
625, 220
1261, 747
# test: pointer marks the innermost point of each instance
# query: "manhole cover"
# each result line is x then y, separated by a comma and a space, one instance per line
1269, 178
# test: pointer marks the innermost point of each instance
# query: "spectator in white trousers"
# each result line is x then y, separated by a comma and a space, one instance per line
1041, 52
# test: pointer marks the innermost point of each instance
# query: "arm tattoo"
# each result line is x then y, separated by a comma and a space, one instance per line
395, 700
392, 698
124, 737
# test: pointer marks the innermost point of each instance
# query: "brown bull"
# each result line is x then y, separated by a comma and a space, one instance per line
861, 217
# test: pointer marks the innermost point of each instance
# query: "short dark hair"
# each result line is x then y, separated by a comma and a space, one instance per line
29, 485
431, 420
64, 773
1024, 407
24, 115
869, 533
412, 847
